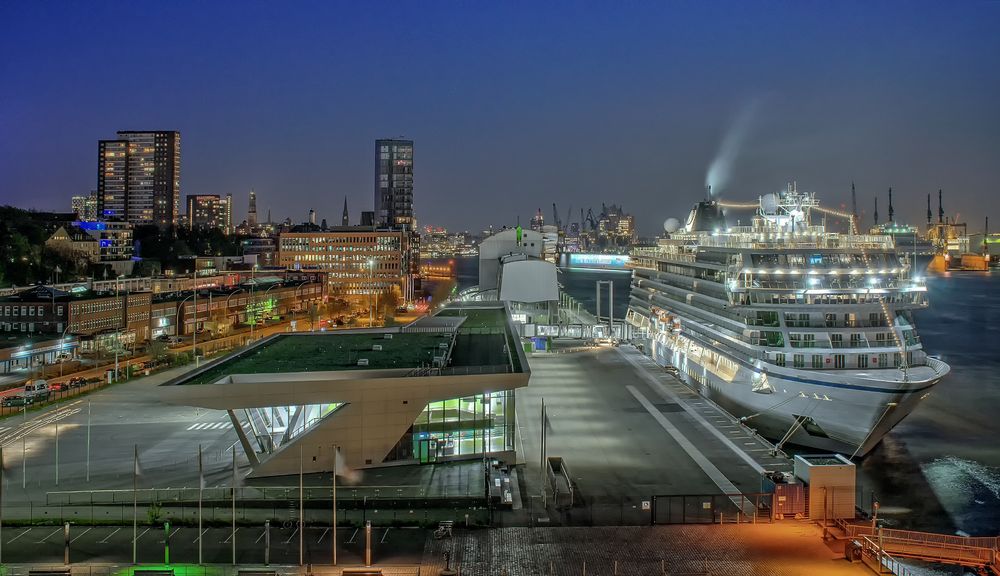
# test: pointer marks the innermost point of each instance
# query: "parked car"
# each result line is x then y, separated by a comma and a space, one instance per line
77, 382
58, 386
15, 400
36, 390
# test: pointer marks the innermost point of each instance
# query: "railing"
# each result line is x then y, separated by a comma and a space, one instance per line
190, 495
927, 546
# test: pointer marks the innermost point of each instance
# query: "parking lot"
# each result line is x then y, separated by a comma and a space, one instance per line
113, 544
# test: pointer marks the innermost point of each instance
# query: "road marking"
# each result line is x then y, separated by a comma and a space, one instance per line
19, 535
715, 431
262, 534
351, 541
174, 532
231, 534
323, 535
289, 541
704, 463
54, 532
199, 536
382, 541
192, 427
141, 534
80, 534
105, 541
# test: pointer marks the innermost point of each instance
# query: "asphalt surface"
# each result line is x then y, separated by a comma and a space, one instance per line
627, 431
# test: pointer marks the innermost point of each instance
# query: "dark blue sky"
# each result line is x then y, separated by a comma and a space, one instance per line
511, 105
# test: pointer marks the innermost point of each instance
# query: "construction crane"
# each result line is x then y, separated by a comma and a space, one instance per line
555, 217
591, 219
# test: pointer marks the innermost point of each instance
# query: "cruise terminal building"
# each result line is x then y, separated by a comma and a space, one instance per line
438, 389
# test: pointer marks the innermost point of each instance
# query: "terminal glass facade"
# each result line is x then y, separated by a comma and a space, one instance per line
459, 428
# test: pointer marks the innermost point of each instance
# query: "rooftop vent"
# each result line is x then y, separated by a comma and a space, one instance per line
362, 361
377, 347
387, 336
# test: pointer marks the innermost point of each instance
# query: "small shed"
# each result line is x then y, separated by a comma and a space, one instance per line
831, 480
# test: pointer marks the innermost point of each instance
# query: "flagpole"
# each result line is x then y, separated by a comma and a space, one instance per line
300, 507
88, 440
201, 487
135, 499
234, 505
2, 470
336, 459
541, 452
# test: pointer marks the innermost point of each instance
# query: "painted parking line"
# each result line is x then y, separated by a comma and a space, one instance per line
289, 541
54, 532
323, 535
351, 541
19, 535
195, 541
141, 534
230, 537
105, 541
382, 541
259, 538
74, 539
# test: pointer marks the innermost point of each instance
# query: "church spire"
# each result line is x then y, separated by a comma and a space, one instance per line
345, 221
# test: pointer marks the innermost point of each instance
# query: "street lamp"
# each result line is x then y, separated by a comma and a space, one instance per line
371, 289
118, 333
296, 297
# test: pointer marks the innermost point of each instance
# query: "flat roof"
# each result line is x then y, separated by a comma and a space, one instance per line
330, 351
476, 340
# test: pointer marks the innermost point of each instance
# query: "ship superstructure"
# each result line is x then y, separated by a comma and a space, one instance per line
807, 335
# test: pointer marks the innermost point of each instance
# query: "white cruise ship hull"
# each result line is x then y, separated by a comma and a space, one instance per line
846, 411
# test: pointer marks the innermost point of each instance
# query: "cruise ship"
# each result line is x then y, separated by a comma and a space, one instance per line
806, 335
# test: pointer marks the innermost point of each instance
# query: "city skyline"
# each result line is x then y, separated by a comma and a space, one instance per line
576, 107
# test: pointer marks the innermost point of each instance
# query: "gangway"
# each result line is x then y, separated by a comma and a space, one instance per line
880, 549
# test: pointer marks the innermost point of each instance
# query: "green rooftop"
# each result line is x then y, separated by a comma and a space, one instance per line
478, 317
330, 351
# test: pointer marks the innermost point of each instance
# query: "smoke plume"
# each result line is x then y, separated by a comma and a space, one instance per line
720, 170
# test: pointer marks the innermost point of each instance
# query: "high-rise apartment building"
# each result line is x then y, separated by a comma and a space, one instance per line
210, 211
139, 177
85, 207
394, 184
252, 210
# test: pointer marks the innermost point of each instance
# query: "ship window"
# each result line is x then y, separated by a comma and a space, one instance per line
838, 361
817, 361
799, 360
779, 359
863, 361
897, 360
883, 360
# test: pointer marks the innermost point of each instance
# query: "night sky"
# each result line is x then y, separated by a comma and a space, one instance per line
512, 105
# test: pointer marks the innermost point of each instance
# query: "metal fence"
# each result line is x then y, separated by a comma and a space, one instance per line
711, 508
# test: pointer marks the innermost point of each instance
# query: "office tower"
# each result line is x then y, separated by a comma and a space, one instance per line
312, 216
229, 213
345, 219
367, 218
85, 207
394, 184
252, 212
139, 177
210, 211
